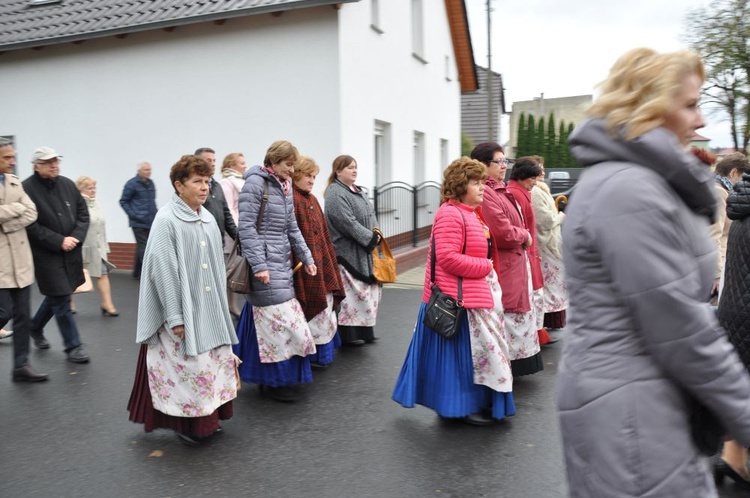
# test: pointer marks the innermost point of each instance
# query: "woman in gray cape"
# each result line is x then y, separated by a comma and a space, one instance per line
185, 377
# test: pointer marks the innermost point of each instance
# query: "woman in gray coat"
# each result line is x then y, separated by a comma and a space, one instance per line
275, 338
352, 222
643, 343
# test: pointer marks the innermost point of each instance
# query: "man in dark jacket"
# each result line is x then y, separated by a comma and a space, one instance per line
139, 201
56, 239
216, 203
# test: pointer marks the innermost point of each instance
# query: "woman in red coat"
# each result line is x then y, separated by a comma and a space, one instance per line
512, 240
318, 294
522, 180
467, 376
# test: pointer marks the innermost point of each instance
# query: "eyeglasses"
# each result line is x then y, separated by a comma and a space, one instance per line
497, 161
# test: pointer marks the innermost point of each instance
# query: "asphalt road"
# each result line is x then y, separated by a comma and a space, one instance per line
70, 436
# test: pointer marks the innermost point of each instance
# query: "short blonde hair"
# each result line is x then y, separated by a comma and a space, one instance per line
230, 159
306, 165
457, 176
280, 150
640, 88
83, 182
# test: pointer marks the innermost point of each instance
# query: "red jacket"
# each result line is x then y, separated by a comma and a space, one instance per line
523, 197
509, 234
473, 266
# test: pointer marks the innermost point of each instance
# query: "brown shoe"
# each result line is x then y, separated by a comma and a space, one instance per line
27, 374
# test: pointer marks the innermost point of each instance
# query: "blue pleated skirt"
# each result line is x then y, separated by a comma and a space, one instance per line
438, 373
295, 370
325, 353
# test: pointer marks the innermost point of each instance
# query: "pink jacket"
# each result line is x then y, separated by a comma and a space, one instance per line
509, 234
473, 266
523, 197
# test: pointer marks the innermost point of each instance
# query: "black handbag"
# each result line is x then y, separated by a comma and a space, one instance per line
444, 314
238, 269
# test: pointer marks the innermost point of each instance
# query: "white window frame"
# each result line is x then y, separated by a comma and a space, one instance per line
419, 153
417, 31
444, 153
382, 153
375, 16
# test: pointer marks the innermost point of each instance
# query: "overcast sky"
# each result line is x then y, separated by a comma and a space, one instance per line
565, 48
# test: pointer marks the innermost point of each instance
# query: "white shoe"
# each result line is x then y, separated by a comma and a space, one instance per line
5, 333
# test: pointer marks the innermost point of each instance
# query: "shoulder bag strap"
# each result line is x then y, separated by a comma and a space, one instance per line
263, 202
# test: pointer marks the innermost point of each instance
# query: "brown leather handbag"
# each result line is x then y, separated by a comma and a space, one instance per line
238, 269
383, 266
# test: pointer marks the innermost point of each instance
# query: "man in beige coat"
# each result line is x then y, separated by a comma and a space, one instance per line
17, 211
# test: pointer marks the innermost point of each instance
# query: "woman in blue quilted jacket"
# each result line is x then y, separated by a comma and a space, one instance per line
275, 338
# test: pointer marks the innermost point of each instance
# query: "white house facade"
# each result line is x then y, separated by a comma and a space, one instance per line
356, 78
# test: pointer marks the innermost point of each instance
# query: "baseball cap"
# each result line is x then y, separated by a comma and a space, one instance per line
44, 153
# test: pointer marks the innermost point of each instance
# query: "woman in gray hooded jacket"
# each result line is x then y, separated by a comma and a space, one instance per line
643, 344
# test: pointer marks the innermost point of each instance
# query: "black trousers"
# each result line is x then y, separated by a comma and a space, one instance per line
141, 237
16, 304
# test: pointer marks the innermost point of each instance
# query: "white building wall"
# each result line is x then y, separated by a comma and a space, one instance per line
108, 104
381, 80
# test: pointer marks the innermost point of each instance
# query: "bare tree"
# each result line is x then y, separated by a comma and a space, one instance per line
721, 35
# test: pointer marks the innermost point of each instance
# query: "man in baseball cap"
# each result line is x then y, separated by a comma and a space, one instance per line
56, 239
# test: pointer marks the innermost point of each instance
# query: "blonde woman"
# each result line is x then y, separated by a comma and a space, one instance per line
232, 169
96, 248
643, 347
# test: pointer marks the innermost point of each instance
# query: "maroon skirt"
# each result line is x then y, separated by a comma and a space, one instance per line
142, 410
555, 320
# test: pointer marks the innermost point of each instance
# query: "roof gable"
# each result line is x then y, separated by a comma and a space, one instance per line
26, 25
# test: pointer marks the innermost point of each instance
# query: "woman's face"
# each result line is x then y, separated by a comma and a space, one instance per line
89, 190
541, 176
193, 191
348, 175
474, 193
240, 164
686, 116
498, 166
284, 168
528, 183
306, 182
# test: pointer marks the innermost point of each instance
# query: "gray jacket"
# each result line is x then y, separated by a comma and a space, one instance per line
351, 220
639, 263
271, 249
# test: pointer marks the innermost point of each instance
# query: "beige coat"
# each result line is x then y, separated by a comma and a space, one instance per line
548, 221
95, 246
17, 211
720, 229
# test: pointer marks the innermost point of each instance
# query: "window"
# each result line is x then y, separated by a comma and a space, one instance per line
417, 30
444, 151
448, 68
418, 157
382, 153
375, 16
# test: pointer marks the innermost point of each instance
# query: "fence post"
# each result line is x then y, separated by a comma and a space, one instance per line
375, 202
415, 218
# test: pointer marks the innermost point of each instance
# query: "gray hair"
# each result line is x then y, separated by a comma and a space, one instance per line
5, 142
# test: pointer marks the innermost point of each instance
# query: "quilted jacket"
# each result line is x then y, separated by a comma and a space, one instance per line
473, 266
734, 306
271, 247
639, 263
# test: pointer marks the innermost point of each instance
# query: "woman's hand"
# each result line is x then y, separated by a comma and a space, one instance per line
179, 331
528, 242
263, 277
311, 270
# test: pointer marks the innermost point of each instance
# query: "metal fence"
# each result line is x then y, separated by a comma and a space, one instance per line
405, 212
